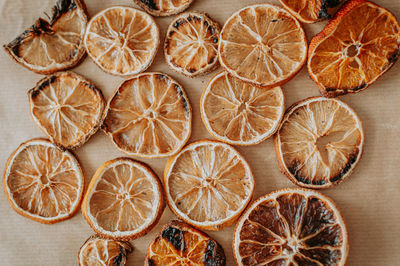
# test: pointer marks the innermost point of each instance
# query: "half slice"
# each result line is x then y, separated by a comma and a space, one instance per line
208, 184
43, 182
291, 227
50, 46
238, 113
162, 8
319, 143
124, 200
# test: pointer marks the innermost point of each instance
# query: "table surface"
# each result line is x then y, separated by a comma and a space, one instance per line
369, 199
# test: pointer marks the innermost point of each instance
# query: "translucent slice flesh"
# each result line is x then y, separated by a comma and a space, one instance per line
166, 6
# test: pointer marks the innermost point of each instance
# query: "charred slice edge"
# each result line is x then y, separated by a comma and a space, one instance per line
325, 13
162, 8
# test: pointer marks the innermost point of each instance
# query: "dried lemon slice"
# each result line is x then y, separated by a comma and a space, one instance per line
163, 7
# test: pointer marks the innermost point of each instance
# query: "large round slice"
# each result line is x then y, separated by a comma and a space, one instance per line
43, 182
238, 113
208, 184
149, 116
262, 44
124, 200
67, 107
50, 46
181, 244
291, 227
191, 44
360, 44
122, 40
319, 143
163, 8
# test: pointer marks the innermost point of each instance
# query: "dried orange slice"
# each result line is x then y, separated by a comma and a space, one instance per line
47, 47
163, 8
319, 143
208, 184
122, 40
43, 182
101, 251
191, 44
262, 44
67, 107
360, 44
238, 113
149, 116
181, 244
291, 227
124, 200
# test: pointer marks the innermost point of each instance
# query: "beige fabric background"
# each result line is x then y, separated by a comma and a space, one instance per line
369, 199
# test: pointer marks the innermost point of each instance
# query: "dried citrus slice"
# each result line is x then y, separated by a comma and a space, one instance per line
319, 143
262, 44
238, 113
163, 7
122, 40
124, 200
43, 182
149, 116
191, 44
208, 184
67, 107
47, 47
181, 244
360, 44
101, 251
291, 227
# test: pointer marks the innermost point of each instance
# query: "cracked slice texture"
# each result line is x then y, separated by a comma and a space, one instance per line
262, 44
291, 227
124, 200
161, 8
357, 47
43, 182
149, 116
319, 143
238, 113
208, 184
122, 40
180, 244
67, 108
51, 46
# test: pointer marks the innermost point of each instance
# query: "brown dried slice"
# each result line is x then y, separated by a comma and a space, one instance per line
180, 244
319, 143
191, 44
67, 108
48, 47
162, 8
291, 227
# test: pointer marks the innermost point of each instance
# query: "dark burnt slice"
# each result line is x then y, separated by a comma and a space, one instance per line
325, 13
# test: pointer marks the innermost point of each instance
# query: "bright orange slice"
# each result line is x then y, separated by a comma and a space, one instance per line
163, 7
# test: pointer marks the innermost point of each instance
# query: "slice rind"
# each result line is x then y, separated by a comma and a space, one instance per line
162, 8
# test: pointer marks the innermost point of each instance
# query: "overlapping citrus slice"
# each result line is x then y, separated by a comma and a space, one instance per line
50, 46
238, 113
67, 107
43, 182
262, 44
208, 184
291, 227
122, 40
319, 143
149, 116
191, 44
124, 200
357, 47
163, 7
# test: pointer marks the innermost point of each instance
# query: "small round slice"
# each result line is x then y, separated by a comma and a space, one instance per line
319, 143
238, 113
191, 44
67, 108
162, 8
181, 244
124, 200
263, 44
43, 182
357, 47
122, 40
50, 46
291, 227
149, 116
101, 251
208, 184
